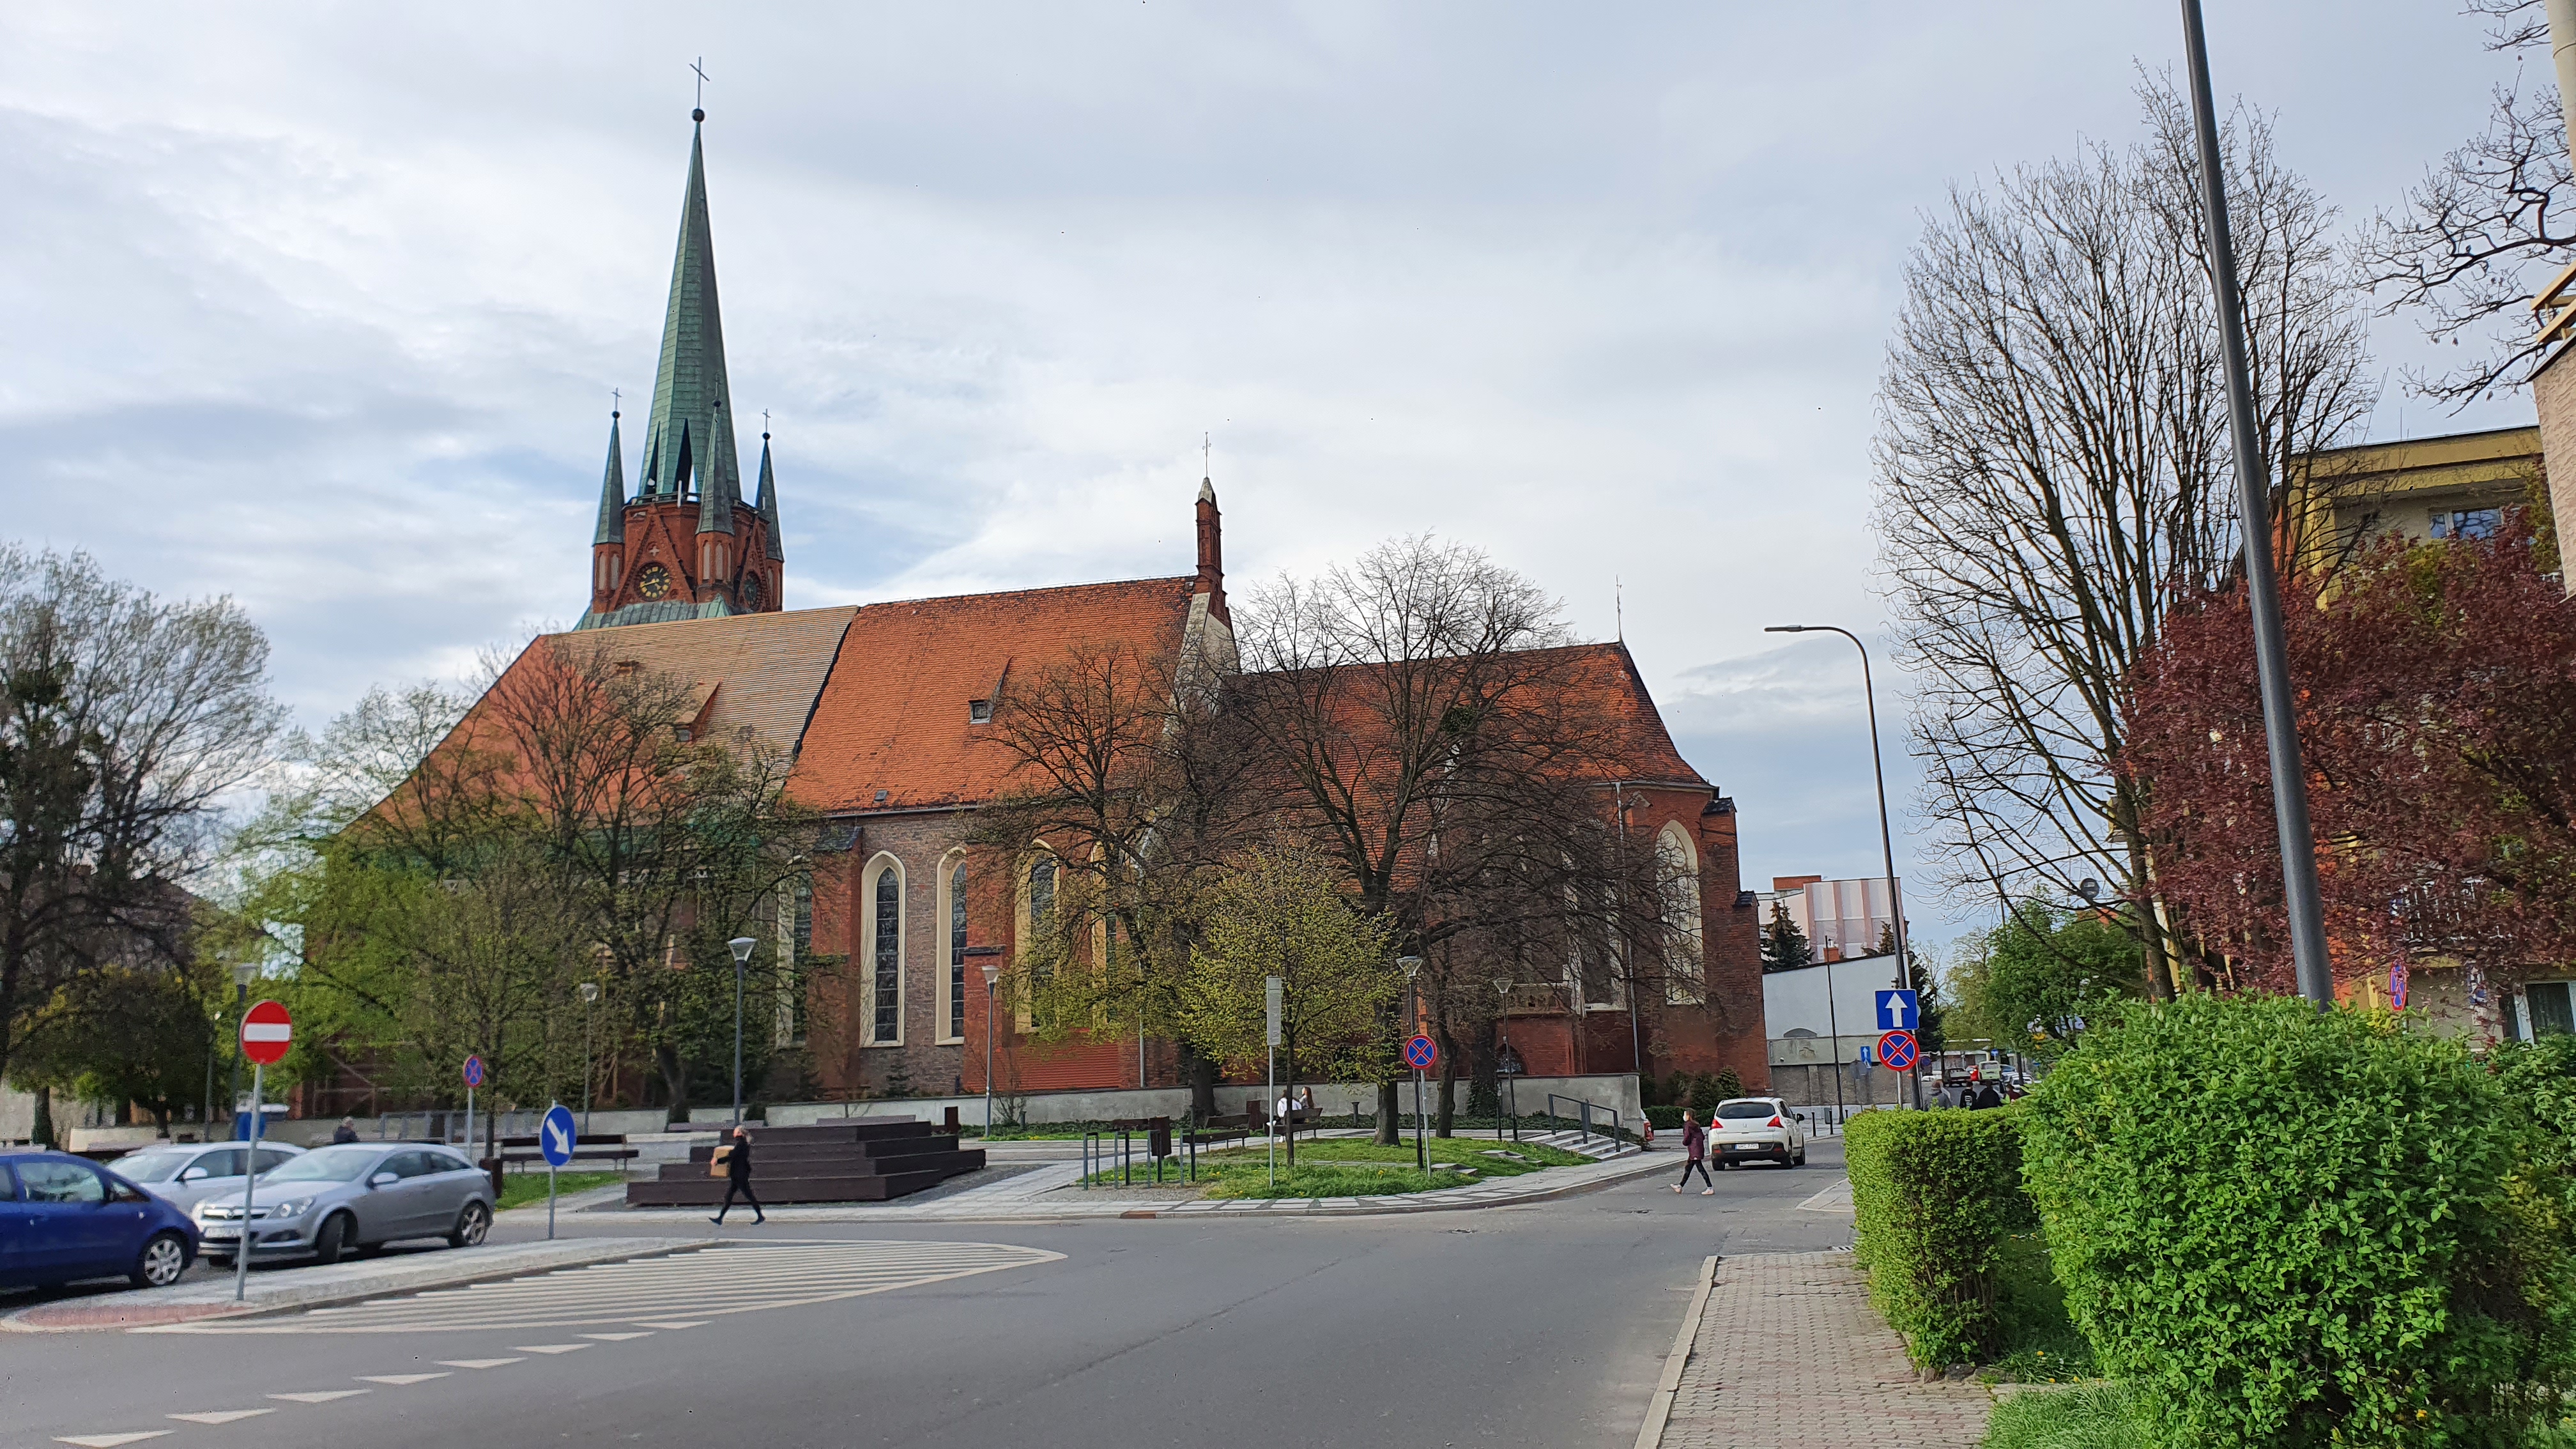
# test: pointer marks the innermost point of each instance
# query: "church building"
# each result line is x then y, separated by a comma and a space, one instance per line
886, 711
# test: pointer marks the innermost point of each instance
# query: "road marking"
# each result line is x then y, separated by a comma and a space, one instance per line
477, 1363
617, 1337
108, 1441
549, 1347
400, 1381
682, 1291
322, 1396
220, 1416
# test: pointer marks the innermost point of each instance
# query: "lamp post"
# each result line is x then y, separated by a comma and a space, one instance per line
589, 998
741, 948
1411, 966
992, 974
1502, 1040
1886, 840
244, 973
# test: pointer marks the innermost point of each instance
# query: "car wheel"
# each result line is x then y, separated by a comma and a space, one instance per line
471, 1225
331, 1239
161, 1262
1802, 1156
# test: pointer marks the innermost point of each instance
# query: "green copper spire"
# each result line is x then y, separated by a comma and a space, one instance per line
689, 438
612, 493
773, 545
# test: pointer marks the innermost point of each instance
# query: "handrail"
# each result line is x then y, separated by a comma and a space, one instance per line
1583, 1115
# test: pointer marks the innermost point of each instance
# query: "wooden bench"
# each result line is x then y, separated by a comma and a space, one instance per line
586, 1147
1220, 1131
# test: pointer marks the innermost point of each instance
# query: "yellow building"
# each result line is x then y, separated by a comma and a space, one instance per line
2447, 487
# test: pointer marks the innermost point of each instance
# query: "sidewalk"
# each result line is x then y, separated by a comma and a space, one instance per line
1045, 1194
274, 1290
1784, 1352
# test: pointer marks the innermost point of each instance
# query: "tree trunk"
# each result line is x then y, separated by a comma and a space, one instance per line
675, 1075
1200, 1073
1390, 1106
44, 1128
1448, 1084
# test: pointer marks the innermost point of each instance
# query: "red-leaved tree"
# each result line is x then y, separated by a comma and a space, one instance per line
2436, 691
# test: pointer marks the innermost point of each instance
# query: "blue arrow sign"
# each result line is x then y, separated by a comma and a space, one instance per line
555, 1136
1896, 1011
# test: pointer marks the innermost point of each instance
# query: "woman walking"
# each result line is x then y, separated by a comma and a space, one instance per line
738, 1178
1695, 1156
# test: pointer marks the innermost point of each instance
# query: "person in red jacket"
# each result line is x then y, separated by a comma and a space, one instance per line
1695, 1156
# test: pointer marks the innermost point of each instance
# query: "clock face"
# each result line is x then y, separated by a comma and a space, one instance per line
653, 581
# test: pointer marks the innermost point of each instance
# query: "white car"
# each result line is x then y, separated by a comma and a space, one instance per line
184, 1174
1757, 1129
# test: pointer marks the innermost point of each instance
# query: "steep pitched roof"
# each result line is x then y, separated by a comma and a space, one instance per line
612, 494
771, 543
691, 395
756, 670
893, 716
1641, 746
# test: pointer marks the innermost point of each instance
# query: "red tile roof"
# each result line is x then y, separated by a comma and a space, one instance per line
893, 715
1641, 745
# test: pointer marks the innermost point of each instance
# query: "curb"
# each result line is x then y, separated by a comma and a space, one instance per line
1659, 1409
290, 1299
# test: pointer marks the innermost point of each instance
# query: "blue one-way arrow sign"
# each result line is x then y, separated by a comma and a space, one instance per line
1896, 1011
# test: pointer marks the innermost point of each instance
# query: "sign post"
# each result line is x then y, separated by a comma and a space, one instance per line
555, 1138
473, 1079
1420, 1053
1271, 989
266, 1032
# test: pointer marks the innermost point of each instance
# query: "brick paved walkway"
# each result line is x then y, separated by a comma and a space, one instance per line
1789, 1355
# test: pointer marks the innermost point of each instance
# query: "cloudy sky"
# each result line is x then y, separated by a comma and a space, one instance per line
321, 305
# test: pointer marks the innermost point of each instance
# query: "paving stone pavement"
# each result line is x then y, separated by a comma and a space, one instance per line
1789, 1355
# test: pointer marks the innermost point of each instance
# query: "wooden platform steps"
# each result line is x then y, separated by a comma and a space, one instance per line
847, 1159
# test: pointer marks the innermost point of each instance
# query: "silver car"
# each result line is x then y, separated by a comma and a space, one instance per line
353, 1195
184, 1174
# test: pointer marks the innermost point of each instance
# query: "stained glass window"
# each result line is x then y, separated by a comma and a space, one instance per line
957, 950
888, 956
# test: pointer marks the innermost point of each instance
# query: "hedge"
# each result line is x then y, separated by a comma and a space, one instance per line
2292, 1228
1935, 1196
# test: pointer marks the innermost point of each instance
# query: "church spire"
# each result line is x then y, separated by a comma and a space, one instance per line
688, 439
612, 493
771, 543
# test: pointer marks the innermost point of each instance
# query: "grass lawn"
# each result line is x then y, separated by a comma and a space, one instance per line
2040, 1345
1346, 1167
522, 1188
2087, 1416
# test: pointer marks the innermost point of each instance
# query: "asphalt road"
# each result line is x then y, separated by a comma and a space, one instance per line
1540, 1325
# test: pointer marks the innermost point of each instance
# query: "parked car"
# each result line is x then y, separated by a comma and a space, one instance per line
1751, 1129
359, 1195
63, 1219
184, 1174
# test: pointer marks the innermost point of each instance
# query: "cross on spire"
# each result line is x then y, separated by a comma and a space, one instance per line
616, 400
700, 66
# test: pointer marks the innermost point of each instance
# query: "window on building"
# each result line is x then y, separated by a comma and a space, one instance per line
957, 951
2552, 1013
2467, 522
885, 954
1041, 893
1685, 982
979, 711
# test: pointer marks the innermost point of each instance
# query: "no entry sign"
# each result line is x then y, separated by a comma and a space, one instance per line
1897, 1051
266, 1031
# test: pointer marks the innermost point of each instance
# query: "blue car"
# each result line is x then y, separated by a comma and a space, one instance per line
64, 1218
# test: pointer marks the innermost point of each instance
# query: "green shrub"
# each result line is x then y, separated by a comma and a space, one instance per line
1664, 1118
1936, 1195
2540, 1079
2289, 1228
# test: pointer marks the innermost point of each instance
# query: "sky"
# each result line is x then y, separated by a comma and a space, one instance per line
321, 306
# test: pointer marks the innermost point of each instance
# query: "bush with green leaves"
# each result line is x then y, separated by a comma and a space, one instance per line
2291, 1228
1664, 1118
1936, 1196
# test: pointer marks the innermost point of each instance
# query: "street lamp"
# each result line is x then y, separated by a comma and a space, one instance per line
589, 998
1886, 841
992, 974
244, 973
1503, 1040
1411, 966
741, 948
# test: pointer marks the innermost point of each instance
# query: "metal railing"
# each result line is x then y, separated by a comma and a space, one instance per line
1591, 1118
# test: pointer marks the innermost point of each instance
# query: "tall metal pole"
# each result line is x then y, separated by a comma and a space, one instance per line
741, 947
1886, 839
250, 1182
2271, 652
989, 975
1833, 1026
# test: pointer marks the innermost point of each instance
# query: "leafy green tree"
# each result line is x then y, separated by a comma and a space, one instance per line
2046, 969
142, 1035
1284, 914
1784, 946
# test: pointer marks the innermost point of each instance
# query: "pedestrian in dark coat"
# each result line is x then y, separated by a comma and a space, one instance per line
1695, 1156
738, 1178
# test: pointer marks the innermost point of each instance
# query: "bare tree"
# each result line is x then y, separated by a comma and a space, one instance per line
2487, 222
2053, 470
125, 721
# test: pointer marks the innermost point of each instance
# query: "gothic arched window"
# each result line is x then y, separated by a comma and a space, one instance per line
957, 951
885, 956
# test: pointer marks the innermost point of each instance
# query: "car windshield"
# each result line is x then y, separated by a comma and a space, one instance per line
326, 1164
150, 1166
1743, 1108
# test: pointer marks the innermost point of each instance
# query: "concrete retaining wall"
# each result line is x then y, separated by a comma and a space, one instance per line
1617, 1093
